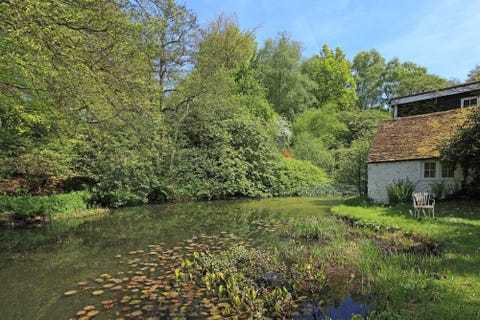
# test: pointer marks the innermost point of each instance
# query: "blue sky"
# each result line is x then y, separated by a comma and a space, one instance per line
442, 35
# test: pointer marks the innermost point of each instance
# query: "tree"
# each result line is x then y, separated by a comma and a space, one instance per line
288, 90
317, 132
220, 146
463, 149
70, 69
352, 165
408, 78
166, 32
368, 70
474, 74
332, 74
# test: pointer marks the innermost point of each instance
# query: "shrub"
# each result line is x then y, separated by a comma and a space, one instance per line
26, 207
294, 177
400, 191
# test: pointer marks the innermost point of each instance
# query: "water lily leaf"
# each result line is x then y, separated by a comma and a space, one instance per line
70, 292
92, 313
116, 288
97, 292
81, 313
148, 308
88, 308
136, 313
133, 302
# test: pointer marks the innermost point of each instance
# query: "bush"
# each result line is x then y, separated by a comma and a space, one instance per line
400, 191
26, 207
294, 177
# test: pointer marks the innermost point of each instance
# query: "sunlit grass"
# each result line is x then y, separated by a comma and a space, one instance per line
437, 285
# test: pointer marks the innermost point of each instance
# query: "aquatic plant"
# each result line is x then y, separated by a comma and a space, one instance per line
208, 276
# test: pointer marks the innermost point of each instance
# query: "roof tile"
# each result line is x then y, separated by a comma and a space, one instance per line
415, 137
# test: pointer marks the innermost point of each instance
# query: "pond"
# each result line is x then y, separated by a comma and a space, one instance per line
38, 266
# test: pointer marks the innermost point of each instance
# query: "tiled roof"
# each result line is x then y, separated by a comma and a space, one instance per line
415, 137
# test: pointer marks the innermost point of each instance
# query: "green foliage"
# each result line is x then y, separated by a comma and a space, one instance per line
368, 69
25, 207
463, 149
311, 148
256, 282
323, 124
332, 74
400, 191
293, 177
124, 175
352, 165
474, 74
288, 90
317, 228
408, 78
421, 274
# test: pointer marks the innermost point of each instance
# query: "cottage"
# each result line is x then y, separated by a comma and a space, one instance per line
406, 147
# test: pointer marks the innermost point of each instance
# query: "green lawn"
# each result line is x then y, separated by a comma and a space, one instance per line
442, 284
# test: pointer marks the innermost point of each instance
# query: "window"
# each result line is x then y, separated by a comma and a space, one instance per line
429, 169
470, 101
447, 170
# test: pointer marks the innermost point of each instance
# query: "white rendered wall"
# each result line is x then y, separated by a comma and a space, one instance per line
380, 175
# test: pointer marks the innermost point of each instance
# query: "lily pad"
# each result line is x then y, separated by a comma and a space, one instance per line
92, 313
70, 292
136, 313
88, 308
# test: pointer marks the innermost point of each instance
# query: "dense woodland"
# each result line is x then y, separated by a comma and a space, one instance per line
135, 102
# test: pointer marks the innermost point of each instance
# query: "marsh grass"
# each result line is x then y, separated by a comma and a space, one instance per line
437, 284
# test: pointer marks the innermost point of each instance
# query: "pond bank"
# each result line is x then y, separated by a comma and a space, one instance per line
439, 280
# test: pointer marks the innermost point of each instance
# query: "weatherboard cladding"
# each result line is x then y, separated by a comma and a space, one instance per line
434, 101
415, 137
434, 94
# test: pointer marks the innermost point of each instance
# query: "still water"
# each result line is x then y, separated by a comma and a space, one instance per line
38, 265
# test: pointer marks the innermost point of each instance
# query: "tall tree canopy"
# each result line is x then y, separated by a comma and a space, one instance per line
332, 74
369, 72
288, 90
409, 78
474, 74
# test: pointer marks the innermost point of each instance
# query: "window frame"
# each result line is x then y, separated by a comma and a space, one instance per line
429, 170
449, 168
462, 103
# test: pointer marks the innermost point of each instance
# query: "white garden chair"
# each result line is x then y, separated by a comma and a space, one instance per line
423, 201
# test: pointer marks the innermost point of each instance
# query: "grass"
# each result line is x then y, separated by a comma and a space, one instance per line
410, 285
